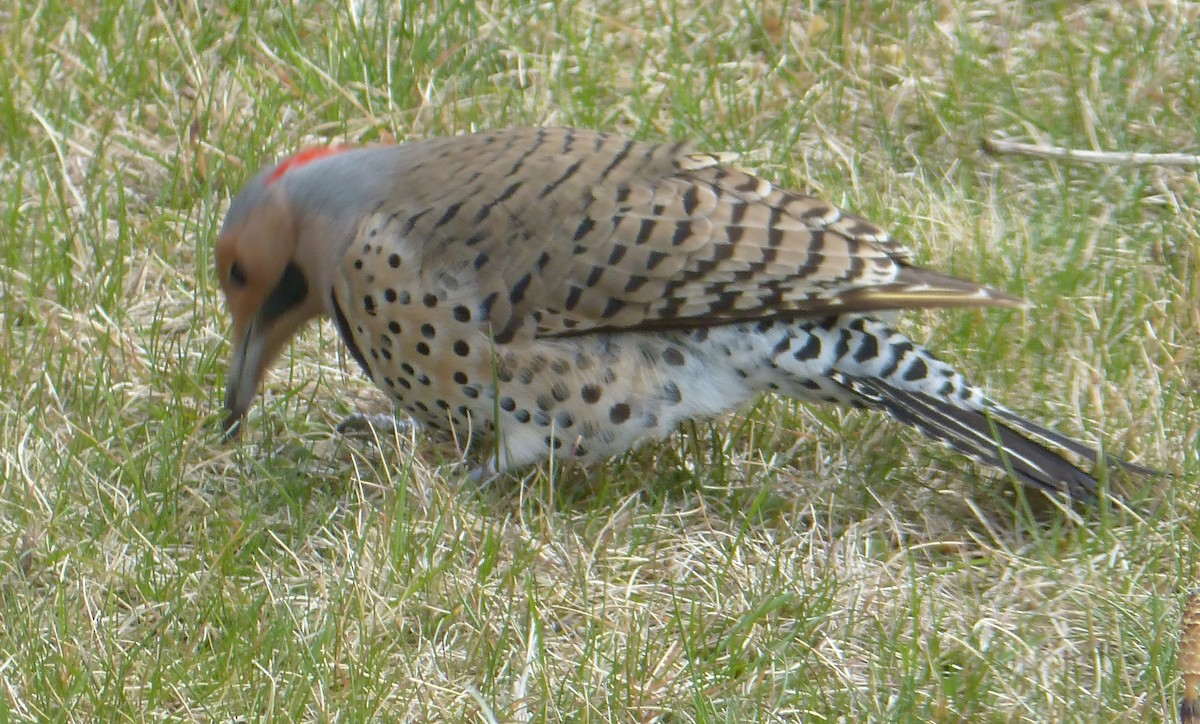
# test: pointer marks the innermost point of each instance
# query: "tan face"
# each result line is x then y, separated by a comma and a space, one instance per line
266, 292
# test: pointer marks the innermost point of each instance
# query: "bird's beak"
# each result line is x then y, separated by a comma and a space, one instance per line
245, 370
261, 328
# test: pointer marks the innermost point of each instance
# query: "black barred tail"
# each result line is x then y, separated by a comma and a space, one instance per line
993, 436
861, 361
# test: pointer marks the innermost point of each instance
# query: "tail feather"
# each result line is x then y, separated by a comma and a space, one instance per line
1075, 447
859, 360
998, 438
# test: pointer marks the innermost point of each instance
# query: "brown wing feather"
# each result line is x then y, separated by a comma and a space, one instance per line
568, 231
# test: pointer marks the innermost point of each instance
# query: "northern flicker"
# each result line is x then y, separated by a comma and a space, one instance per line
546, 291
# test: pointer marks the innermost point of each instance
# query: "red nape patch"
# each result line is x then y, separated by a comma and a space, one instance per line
308, 155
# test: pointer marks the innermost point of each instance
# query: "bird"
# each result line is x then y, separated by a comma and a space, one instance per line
556, 292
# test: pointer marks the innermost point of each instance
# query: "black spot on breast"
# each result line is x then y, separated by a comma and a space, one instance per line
564, 420
389, 295
559, 391
673, 356
671, 394
427, 331
460, 378
508, 404
590, 393
394, 261
422, 349
461, 313
461, 348
522, 416
394, 327
429, 300
618, 413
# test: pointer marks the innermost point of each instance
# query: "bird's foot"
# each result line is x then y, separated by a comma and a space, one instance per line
381, 425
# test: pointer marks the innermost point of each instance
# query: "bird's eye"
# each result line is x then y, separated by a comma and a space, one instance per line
237, 275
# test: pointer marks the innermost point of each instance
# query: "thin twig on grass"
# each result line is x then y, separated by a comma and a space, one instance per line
1072, 155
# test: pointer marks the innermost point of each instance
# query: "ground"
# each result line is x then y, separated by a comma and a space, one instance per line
783, 563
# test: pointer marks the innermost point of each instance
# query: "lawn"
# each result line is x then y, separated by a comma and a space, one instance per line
783, 563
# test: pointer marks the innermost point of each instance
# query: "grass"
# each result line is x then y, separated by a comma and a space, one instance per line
785, 563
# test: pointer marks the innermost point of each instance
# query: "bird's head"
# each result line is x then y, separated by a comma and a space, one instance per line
274, 257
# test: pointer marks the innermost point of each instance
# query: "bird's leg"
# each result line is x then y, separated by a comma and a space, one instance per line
389, 425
